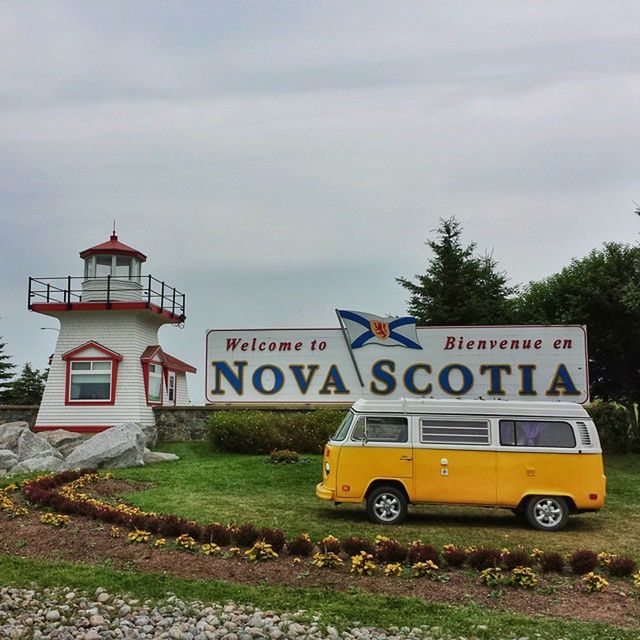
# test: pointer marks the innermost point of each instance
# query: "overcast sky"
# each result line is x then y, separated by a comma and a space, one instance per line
276, 160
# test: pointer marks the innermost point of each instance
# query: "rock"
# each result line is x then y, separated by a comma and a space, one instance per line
150, 433
32, 445
117, 447
150, 457
9, 434
64, 441
53, 615
8, 459
40, 463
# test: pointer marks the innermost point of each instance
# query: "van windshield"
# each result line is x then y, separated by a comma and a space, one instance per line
341, 431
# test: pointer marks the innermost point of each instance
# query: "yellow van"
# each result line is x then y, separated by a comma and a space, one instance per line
542, 460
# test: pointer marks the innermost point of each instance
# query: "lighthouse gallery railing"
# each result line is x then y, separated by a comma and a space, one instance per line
70, 290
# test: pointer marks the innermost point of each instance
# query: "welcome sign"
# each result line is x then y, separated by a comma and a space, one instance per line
321, 366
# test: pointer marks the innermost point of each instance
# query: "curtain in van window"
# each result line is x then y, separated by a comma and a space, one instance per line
532, 431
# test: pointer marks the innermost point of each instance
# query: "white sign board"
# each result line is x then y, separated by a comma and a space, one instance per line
315, 365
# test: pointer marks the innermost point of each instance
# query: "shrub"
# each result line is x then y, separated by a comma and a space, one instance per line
274, 537
484, 558
551, 562
516, 558
185, 541
389, 551
330, 544
420, 552
301, 545
454, 556
245, 535
622, 567
261, 432
284, 456
355, 544
613, 423
583, 561
170, 525
216, 533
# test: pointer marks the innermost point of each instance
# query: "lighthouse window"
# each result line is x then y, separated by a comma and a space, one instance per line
103, 266
90, 380
155, 383
123, 267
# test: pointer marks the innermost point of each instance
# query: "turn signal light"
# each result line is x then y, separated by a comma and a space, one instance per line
346, 487
593, 496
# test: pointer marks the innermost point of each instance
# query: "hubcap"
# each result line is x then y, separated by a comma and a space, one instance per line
547, 512
386, 507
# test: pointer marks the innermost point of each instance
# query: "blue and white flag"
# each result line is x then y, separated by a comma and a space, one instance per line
365, 328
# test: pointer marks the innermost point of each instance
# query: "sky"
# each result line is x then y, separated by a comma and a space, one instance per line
276, 160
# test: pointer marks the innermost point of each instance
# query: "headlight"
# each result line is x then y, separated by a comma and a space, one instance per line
327, 468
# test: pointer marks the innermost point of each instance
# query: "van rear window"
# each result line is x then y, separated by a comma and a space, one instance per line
462, 432
536, 433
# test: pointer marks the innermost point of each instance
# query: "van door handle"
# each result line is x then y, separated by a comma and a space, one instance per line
406, 458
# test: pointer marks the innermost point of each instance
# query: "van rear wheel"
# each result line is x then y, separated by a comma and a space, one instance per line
547, 513
386, 505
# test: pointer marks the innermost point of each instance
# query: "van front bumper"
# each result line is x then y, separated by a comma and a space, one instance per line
323, 493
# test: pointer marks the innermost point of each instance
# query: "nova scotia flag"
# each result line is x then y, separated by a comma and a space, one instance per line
365, 328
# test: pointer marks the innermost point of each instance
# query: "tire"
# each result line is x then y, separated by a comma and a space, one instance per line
547, 513
386, 505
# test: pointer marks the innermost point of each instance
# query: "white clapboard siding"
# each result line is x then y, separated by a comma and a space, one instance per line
128, 333
182, 390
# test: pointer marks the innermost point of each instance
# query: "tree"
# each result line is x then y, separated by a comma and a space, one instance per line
5, 371
458, 286
27, 388
601, 291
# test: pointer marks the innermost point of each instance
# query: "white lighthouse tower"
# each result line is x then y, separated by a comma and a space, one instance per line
108, 366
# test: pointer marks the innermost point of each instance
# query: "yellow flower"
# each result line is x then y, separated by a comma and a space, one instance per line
297, 560
210, 549
393, 569
260, 552
594, 582
55, 519
160, 542
427, 569
537, 553
523, 577
234, 551
326, 560
363, 564
636, 580
114, 532
186, 542
138, 536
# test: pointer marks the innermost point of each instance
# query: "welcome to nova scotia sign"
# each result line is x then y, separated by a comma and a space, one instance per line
320, 366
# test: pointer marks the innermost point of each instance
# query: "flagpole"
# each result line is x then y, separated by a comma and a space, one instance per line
346, 339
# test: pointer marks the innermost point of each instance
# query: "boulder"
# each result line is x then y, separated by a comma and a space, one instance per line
64, 441
158, 456
117, 447
150, 433
9, 434
32, 445
40, 463
8, 459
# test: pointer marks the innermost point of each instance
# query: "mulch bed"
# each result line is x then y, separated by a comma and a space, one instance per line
557, 596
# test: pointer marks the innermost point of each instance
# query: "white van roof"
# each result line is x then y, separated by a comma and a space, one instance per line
472, 407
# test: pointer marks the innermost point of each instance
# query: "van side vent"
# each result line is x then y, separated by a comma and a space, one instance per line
462, 432
583, 431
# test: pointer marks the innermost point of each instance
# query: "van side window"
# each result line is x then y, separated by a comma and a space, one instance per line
454, 431
381, 429
536, 433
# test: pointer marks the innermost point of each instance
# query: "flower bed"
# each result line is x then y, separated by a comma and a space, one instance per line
66, 494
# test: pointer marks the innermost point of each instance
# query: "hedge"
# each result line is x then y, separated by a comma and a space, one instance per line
614, 426
261, 432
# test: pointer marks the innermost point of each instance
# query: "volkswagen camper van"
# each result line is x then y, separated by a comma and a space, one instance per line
542, 460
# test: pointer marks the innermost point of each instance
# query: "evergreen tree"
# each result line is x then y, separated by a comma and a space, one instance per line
27, 388
5, 372
458, 287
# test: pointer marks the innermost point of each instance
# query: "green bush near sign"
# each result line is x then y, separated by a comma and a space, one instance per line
261, 432
614, 427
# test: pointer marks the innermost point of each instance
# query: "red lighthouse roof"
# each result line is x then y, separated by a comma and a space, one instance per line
111, 247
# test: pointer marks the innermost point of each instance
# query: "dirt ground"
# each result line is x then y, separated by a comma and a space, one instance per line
557, 596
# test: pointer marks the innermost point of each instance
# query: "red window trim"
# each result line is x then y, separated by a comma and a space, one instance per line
91, 403
145, 375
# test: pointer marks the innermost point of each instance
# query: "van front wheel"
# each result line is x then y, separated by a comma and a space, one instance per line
547, 513
386, 505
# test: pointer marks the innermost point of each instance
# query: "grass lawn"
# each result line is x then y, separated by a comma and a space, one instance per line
229, 487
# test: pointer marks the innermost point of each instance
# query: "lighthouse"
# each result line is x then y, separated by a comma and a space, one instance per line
108, 366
